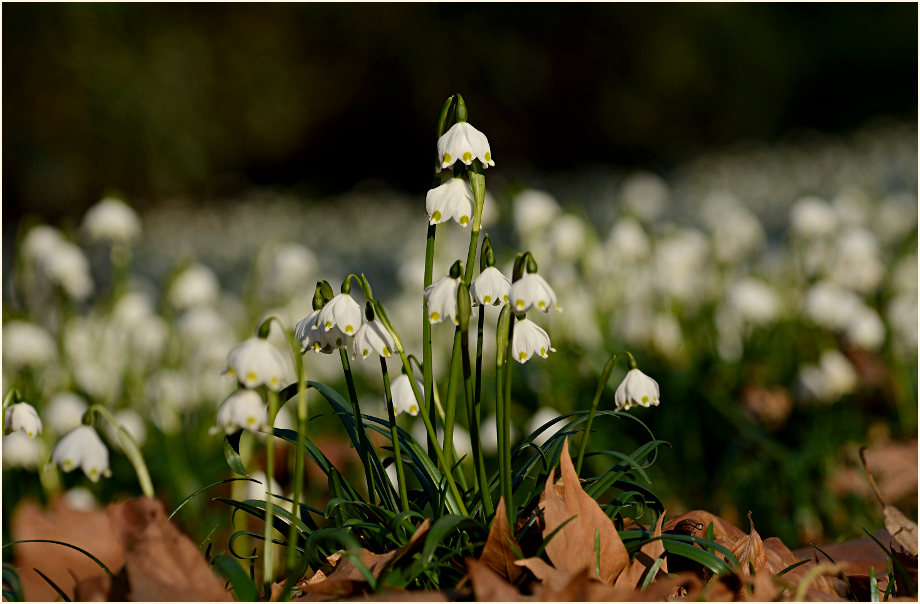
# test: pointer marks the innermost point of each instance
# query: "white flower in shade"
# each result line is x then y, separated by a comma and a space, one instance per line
866, 329
132, 423
404, 400
195, 286
465, 143
832, 378
317, 340
27, 344
69, 269
490, 287
65, 412
442, 299
488, 434
40, 242
529, 338
636, 389
452, 199
812, 216
532, 290
243, 409
342, 312
373, 337
256, 362
291, 267
754, 300
533, 211
627, 240
645, 194
22, 417
540, 417
20, 451
82, 448
112, 220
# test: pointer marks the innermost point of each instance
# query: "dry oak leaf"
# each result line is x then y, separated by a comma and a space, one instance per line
497, 553
902, 530
488, 586
644, 559
161, 563
750, 551
723, 532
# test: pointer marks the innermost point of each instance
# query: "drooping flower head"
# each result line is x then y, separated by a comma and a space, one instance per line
403, 398
342, 312
465, 143
82, 448
22, 417
373, 337
243, 409
532, 290
636, 389
490, 287
452, 199
529, 339
317, 340
256, 362
441, 297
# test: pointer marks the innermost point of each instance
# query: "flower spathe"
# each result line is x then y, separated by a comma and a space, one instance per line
490, 287
452, 199
373, 337
342, 312
532, 290
404, 400
317, 340
442, 299
22, 417
82, 448
243, 410
636, 389
256, 362
465, 143
529, 339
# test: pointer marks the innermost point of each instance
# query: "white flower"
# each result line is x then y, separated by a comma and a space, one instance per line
754, 300
636, 389
645, 194
40, 242
534, 211
27, 344
256, 362
452, 199
82, 448
20, 451
112, 220
290, 268
627, 240
317, 340
490, 287
465, 143
811, 216
569, 236
488, 434
68, 267
22, 417
832, 378
866, 329
540, 417
243, 409
195, 286
65, 412
442, 299
373, 336
529, 338
404, 400
532, 290
132, 423
342, 312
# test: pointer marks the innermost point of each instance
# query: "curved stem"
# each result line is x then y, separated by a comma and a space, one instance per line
472, 409
601, 384
427, 376
397, 453
132, 451
268, 562
302, 419
450, 409
365, 445
503, 407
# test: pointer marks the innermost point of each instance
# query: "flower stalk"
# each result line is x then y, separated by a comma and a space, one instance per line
268, 562
394, 433
601, 384
131, 449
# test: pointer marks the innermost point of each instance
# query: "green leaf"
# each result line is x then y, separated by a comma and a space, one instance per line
53, 585
281, 518
792, 566
697, 555
652, 572
904, 576
232, 453
244, 589
202, 490
11, 578
79, 549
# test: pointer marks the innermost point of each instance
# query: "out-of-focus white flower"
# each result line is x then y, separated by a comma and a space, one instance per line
754, 301
901, 315
257, 490
896, 218
132, 423
68, 267
196, 285
113, 221
27, 344
866, 329
65, 412
636, 389
529, 338
82, 448
540, 417
442, 299
534, 211
20, 451
627, 241
284, 419
291, 267
373, 337
832, 378
645, 195
736, 231
569, 237
315, 339
488, 434
243, 410
681, 265
811, 216
532, 290
341, 312
404, 400
490, 287
255, 362
465, 143
40, 242
132, 308
857, 263
22, 417
452, 199
80, 498
831, 306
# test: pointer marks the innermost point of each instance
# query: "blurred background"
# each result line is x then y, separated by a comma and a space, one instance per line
727, 190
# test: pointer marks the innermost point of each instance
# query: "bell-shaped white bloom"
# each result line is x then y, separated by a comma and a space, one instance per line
404, 400
636, 389
532, 290
195, 286
342, 312
243, 410
112, 220
22, 417
452, 199
82, 448
68, 268
442, 299
528, 339
256, 362
317, 340
65, 412
490, 287
20, 451
27, 344
465, 143
373, 337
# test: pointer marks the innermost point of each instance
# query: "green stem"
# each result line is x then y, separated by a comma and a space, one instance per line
503, 407
268, 562
131, 449
472, 409
397, 453
363, 441
450, 409
601, 384
427, 376
302, 419
478, 184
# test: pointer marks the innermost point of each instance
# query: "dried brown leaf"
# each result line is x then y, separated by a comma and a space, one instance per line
643, 561
544, 572
489, 586
724, 532
497, 553
750, 551
902, 530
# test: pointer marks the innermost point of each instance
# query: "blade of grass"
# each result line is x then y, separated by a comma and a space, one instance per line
79, 549
244, 589
53, 585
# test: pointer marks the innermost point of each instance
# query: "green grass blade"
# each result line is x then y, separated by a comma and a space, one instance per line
792, 566
202, 490
244, 589
11, 578
697, 555
652, 573
873, 585
232, 453
79, 549
910, 586
53, 585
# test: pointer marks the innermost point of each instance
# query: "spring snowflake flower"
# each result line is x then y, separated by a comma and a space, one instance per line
465, 143
27, 344
373, 336
453, 199
442, 299
243, 409
112, 220
532, 290
22, 417
132, 423
20, 451
256, 362
82, 448
317, 340
40, 242
69, 269
342, 312
195, 286
65, 411
529, 338
403, 398
490, 287
636, 389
